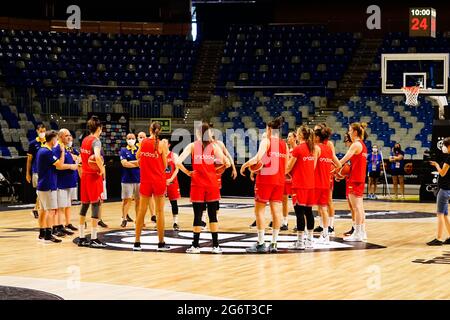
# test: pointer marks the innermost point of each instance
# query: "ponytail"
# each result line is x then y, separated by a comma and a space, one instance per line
307, 134
155, 128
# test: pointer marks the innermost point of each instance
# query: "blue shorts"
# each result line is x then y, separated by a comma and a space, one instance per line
442, 201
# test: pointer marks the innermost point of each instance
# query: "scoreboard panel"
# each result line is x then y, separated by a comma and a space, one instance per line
422, 22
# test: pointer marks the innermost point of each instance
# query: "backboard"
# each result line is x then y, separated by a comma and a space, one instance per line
428, 70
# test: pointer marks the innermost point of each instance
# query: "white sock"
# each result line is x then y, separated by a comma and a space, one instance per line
363, 228
325, 232
275, 235
310, 235
321, 222
357, 230
204, 216
300, 235
285, 221
331, 222
81, 228
175, 218
260, 236
93, 233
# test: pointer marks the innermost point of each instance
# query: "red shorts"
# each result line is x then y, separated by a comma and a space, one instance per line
204, 194
173, 192
355, 188
91, 188
148, 189
303, 197
322, 196
287, 189
268, 193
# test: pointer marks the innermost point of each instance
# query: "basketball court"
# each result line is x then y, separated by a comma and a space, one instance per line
99, 102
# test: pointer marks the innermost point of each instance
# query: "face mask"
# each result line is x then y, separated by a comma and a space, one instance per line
444, 149
41, 135
140, 139
374, 150
131, 142
69, 144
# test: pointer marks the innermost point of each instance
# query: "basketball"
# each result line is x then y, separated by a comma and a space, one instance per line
344, 171
93, 164
256, 167
220, 168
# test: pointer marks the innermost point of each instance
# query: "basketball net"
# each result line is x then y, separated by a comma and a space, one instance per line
411, 93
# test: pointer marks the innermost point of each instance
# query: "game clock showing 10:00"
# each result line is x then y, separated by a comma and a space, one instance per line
422, 22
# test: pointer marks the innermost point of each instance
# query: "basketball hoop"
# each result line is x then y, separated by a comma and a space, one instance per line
411, 93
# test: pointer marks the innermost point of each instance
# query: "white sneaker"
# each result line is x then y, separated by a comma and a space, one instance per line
217, 250
193, 249
355, 237
297, 245
364, 236
324, 240
309, 243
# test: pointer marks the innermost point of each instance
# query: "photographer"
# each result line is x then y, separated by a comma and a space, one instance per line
443, 196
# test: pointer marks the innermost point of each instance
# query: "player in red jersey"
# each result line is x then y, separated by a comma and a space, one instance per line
357, 154
330, 206
269, 186
204, 185
323, 175
348, 143
301, 166
91, 182
173, 188
291, 143
152, 157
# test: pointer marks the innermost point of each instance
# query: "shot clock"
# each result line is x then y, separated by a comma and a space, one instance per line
422, 22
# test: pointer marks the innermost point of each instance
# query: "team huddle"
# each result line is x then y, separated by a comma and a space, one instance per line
304, 167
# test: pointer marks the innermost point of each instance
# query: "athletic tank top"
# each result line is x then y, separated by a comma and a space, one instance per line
323, 168
171, 168
204, 170
303, 171
274, 164
151, 162
359, 165
86, 151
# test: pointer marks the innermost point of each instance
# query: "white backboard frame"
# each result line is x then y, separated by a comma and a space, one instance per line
385, 57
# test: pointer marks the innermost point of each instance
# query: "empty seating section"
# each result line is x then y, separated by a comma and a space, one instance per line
285, 55
389, 121
71, 69
17, 128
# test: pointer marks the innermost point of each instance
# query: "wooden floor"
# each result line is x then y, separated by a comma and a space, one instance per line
107, 274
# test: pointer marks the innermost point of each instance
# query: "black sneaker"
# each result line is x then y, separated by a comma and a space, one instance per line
102, 224
331, 231
124, 223
284, 227
66, 231
162, 246
129, 219
35, 214
273, 248
52, 239
176, 227
153, 219
83, 242
447, 241
96, 244
435, 242
59, 233
253, 225
71, 227
295, 229
319, 229
137, 246
350, 232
